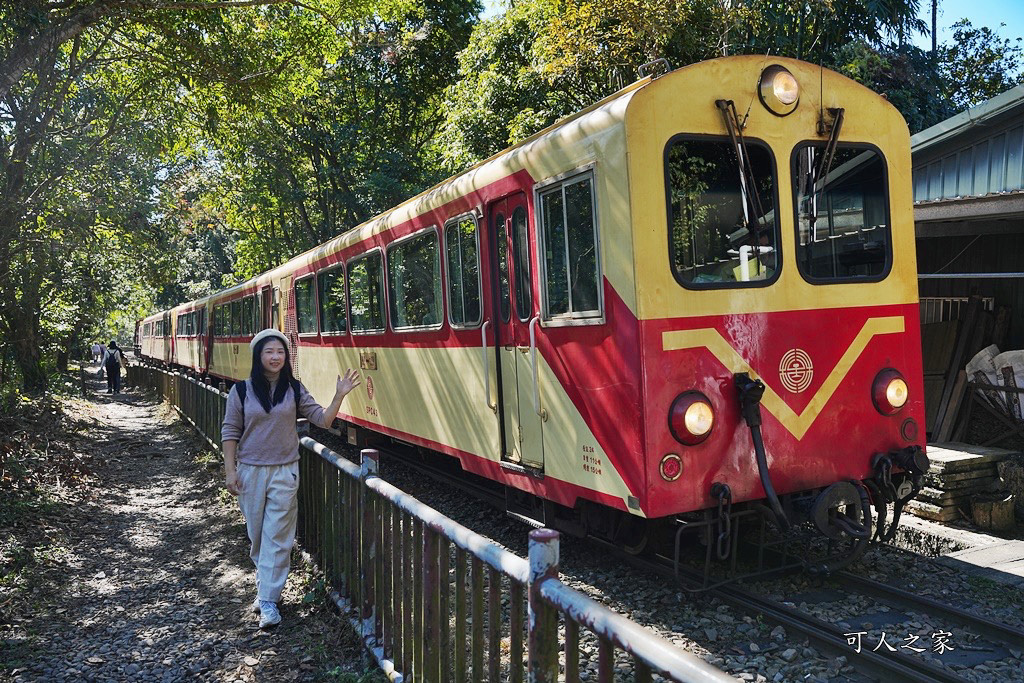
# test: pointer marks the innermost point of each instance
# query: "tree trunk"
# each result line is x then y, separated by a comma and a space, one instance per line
28, 356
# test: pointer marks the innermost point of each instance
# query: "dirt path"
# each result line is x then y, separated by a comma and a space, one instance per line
152, 581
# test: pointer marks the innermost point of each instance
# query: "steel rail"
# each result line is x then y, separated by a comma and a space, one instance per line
886, 667
983, 626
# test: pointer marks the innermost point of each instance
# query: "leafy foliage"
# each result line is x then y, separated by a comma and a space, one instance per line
152, 152
977, 64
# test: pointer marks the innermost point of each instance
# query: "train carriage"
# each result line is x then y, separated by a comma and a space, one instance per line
698, 292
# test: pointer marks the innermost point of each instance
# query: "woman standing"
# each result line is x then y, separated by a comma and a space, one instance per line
261, 459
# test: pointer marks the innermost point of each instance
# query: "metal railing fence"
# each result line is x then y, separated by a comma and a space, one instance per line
434, 601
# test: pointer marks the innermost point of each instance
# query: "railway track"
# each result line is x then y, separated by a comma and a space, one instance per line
828, 637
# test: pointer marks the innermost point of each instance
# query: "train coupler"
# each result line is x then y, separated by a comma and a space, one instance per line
884, 489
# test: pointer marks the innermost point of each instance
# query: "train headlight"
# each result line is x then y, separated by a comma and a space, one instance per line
889, 392
691, 418
778, 90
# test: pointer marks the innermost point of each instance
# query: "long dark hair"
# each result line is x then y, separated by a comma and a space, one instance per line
260, 385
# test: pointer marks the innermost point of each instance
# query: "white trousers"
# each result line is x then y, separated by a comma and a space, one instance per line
269, 502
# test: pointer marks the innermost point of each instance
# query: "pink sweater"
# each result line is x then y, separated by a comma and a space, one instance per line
267, 438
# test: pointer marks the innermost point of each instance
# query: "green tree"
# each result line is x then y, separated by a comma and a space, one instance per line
93, 94
355, 141
977, 64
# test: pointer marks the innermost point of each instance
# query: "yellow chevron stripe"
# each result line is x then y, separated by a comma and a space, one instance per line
796, 424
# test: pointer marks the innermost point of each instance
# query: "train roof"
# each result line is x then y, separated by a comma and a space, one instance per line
599, 116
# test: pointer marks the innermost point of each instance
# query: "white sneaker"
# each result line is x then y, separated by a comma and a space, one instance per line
269, 615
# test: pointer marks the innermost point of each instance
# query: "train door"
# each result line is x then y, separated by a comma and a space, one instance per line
168, 340
266, 304
201, 339
512, 283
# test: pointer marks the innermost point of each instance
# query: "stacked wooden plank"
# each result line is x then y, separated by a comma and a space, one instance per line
957, 473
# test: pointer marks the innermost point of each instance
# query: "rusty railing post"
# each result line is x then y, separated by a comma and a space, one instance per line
543, 618
368, 545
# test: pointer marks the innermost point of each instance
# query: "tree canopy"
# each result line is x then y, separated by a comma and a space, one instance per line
156, 150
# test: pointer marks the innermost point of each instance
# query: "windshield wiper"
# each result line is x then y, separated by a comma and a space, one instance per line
830, 149
748, 182
819, 168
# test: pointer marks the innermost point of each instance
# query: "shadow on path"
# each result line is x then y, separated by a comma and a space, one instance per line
157, 583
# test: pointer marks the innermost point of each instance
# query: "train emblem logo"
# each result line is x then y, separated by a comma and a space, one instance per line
369, 387
796, 370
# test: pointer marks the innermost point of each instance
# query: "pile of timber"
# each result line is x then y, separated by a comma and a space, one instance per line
958, 474
946, 348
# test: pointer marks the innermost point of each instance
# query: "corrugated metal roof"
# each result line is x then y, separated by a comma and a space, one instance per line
954, 125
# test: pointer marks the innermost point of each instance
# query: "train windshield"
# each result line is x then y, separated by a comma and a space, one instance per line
842, 211
723, 228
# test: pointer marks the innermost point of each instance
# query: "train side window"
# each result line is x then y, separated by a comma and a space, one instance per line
275, 311
842, 215
501, 239
248, 315
236, 317
366, 293
332, 300
414, 282
462, 249
571, 272
722, 224
305, 306
521, 259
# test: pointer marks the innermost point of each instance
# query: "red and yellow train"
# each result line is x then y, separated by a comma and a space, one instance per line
697, 293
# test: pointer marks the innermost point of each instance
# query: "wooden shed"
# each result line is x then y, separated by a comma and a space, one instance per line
968, 174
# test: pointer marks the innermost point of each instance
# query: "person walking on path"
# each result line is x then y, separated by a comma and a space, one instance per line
261, 459
113, 359
97, 352
103, 357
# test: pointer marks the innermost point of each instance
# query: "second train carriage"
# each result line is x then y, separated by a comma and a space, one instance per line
582, 316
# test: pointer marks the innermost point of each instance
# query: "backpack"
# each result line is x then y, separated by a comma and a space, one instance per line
242, 387
112, 360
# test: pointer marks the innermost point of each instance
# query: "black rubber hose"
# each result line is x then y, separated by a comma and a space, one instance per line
766, 480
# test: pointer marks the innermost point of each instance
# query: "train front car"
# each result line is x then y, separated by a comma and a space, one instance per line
777, 301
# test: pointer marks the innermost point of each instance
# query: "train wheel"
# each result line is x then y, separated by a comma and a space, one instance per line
633, 534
